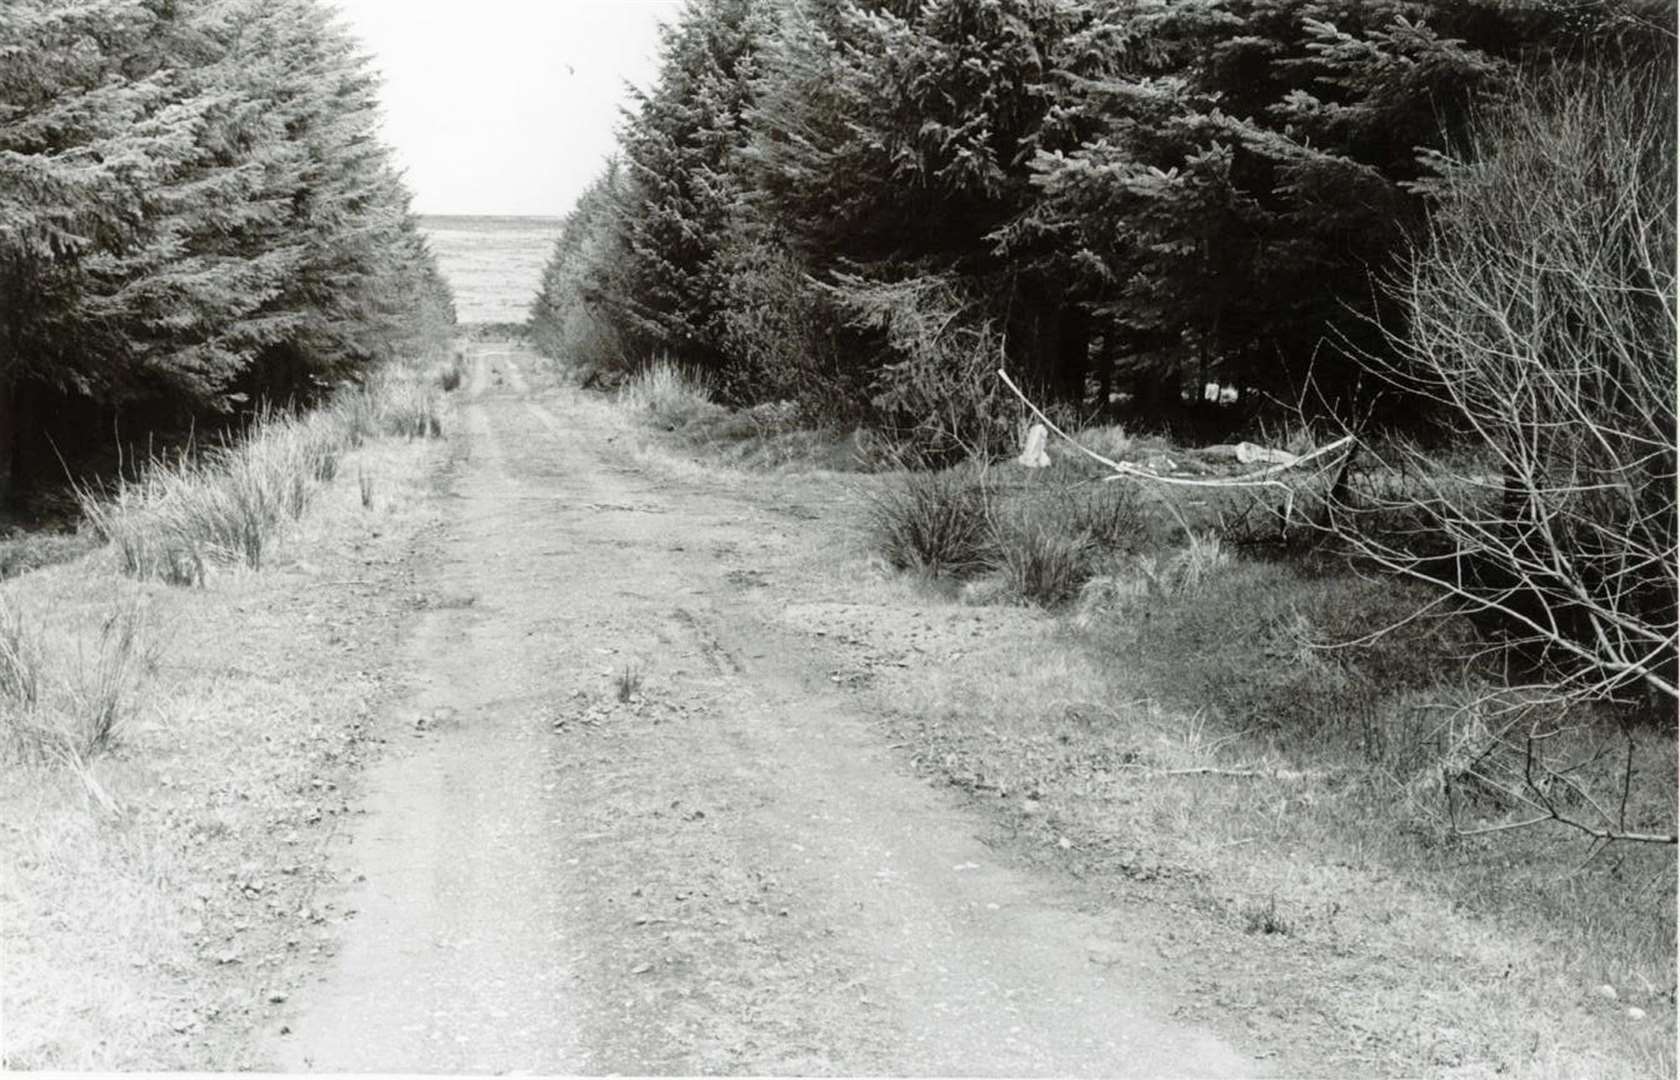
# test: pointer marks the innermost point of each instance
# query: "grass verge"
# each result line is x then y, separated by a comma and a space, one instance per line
1215, 727
772, 436
160, 891
230, 506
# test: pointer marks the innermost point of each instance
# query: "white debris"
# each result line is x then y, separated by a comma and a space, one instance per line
1249, 453
1035, 456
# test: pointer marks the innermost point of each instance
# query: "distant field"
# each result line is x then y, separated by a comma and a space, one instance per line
493, 263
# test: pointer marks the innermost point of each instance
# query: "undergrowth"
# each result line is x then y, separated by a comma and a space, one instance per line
672, 396
66, 701
1386, 734
231, 503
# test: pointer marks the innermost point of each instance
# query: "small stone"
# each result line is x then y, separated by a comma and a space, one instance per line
1607, 992
277, 998
641, 969
1029, 806
1064, 843
1635, 1013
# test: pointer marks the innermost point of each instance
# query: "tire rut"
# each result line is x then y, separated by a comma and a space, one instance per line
717, 869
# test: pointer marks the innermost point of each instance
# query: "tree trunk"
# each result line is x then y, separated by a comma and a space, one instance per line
24, 403
8, 437
1073, 347
1105, 371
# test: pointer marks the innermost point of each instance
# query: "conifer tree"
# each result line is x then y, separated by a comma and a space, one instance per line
684, 193
192, 202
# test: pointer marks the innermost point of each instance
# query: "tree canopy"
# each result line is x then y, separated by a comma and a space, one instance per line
194, 206
1172, 190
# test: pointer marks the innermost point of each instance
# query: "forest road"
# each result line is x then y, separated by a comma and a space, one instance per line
729, 872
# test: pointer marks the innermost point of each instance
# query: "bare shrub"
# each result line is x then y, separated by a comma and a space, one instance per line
1540, 314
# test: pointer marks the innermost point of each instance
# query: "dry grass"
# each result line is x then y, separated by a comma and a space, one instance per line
132, 938
230, 506
670, 396
1205, 742
66, 696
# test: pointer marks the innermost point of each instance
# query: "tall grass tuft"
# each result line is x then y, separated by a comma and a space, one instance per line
67, 705
232, 503
104, 684
408, 409
936, 522
20, 662
671, 395
1041, 564
227, 506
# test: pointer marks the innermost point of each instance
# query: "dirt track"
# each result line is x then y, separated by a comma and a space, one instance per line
728, 873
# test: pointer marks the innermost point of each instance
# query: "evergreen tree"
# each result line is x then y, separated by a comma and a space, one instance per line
192, 202
578, 312
684, 195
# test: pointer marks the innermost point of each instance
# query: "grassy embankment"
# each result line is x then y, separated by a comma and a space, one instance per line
180, 712
1215, 715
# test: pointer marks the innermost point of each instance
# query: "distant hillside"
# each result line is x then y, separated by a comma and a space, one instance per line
493, 263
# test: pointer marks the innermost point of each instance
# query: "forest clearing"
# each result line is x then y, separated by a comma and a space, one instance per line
998, 537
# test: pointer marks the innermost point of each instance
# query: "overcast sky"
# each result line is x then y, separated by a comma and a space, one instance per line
505, 106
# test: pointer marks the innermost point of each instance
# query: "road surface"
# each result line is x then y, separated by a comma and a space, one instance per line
728, 872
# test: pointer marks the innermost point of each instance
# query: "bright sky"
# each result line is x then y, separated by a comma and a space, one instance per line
505, 106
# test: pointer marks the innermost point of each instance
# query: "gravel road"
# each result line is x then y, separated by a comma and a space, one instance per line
729, 872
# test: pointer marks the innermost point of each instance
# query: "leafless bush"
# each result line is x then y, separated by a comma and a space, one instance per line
1541, 321
1518, 760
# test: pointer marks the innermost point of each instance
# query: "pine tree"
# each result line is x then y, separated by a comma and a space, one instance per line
192, 203
683, 194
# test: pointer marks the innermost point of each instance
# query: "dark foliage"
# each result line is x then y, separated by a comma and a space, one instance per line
193, 211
